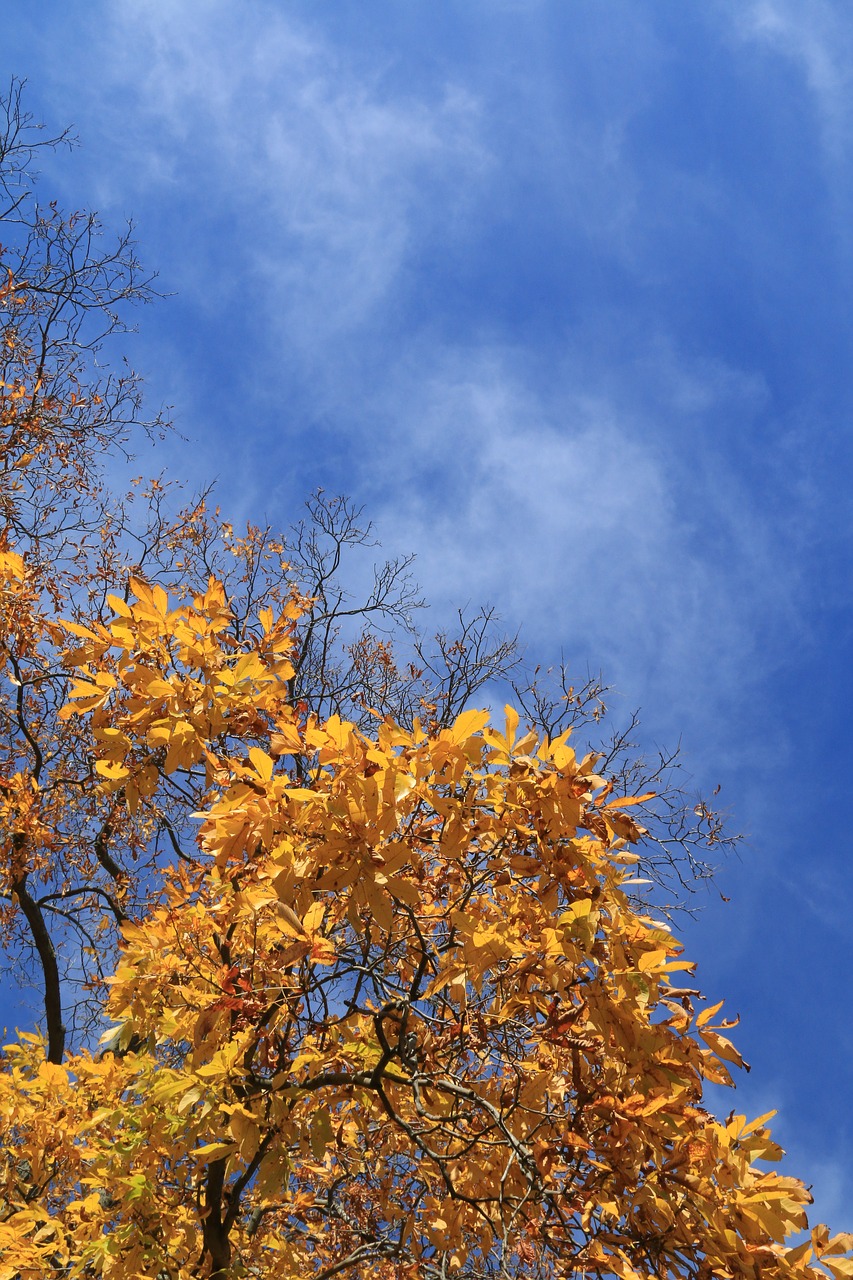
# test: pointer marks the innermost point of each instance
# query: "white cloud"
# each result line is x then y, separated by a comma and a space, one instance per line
308, 185
570, 510
816, 36
314, 176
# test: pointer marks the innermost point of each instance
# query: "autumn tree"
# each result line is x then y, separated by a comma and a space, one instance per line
387, 992
65, 302
397, 1016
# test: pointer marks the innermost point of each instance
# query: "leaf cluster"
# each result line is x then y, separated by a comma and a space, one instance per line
398, 1015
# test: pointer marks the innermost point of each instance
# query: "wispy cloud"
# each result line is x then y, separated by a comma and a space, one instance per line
320, 180
308, 180
568, 507
816, 40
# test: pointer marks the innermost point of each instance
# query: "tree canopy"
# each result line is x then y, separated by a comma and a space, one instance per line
388, 995
397, 1015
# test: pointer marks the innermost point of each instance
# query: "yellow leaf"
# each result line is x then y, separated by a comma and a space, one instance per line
723, 1048
707, 1014
466, 725
215, 1150
651, 960
840, 1243
291, 919
262, 762
119, 606
626, 801
313, 917
286, 739
840, 1268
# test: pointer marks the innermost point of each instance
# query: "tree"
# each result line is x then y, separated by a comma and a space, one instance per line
63, 305
398, 1017
64, 302
388, 994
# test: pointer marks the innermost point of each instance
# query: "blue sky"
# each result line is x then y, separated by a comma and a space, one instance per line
560, 291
